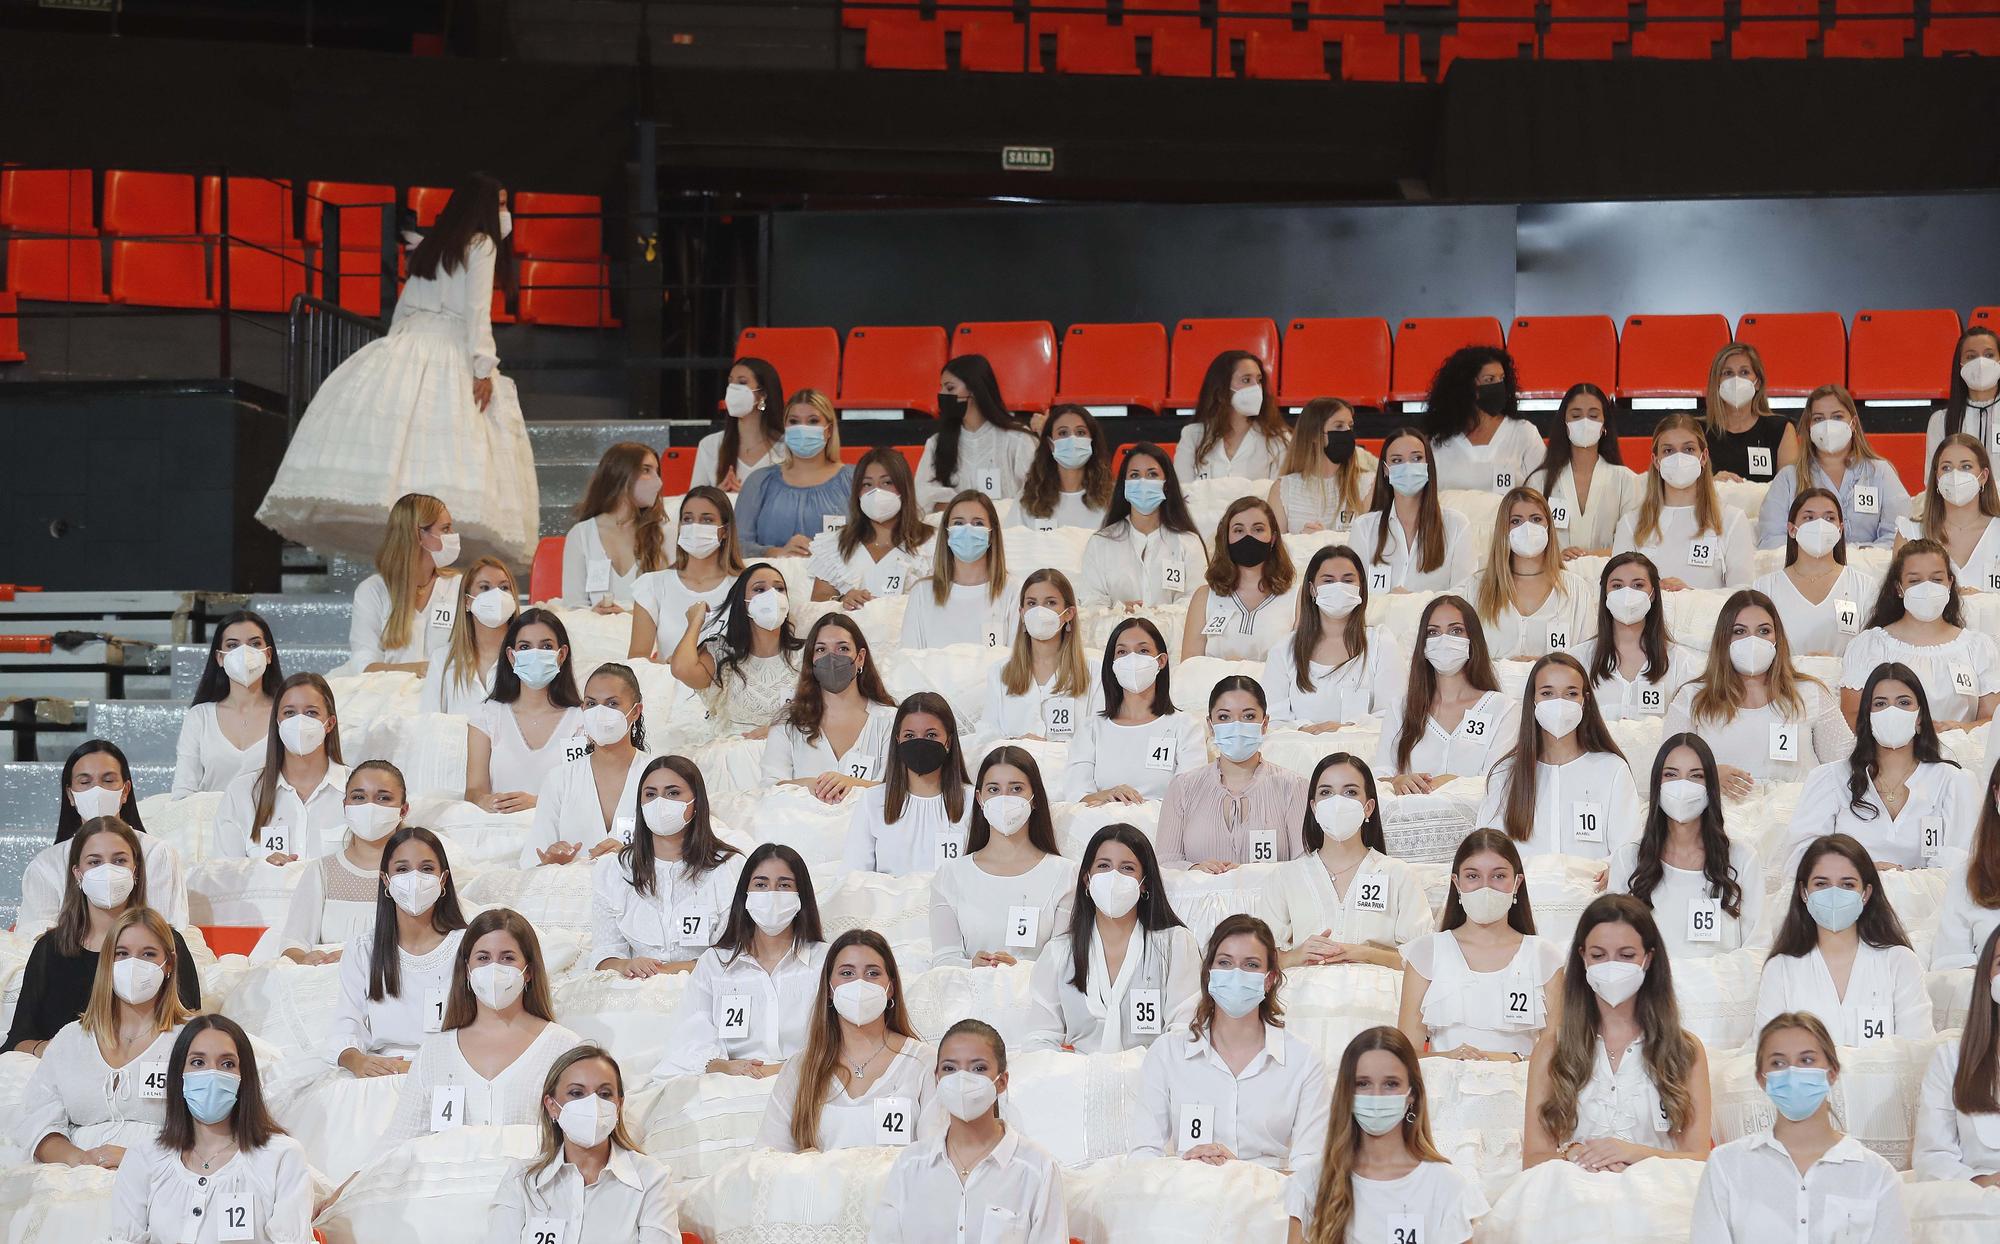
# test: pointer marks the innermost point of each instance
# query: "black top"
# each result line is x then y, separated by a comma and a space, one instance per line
55, 988
1730, 451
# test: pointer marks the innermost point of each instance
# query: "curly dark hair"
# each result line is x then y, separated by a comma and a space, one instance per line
1449, 409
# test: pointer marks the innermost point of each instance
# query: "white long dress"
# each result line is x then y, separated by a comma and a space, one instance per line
398, 417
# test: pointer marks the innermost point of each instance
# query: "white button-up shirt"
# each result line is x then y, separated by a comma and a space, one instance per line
1100, 1017
1273, 1113
679, 920
1384, 903
1962, 929
1951, 1144
1586, 807
1122, 564
630, 1201
430, 624
1934, 829
1482, 735
1752, 1193
777, 1009
311, 821
1885, 992
921, 839
1398, 567
1012, 1196
157, 1198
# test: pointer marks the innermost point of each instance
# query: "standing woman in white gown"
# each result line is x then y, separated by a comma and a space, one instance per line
424, 409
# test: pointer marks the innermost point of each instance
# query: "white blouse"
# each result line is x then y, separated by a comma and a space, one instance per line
1767, 742
1444, 1199
1615, 491
1316, 499
1156, 990
1885, 993
666, 600
1500, 464
1257, 456
708, 468
631, 1201
1964, 926
971, 614
1013, 1195
156, 1199
1622, 1103
1620, 698
1487, 730
1233, 631
47, 874
679, 920
924, 838
511, 765
1384, 903
430, 625
1072, 509
1588, 807
1693, 923
787, 755
205, 759
588, 575
899, 1108
1348, 692
1955, 674
452, 694
897, 572
1951, 1144
1567, 617
1398, 567
401, 1022
1273, 1112
74, 1093
1122, 565
1933, 830
568, 809
1038, 710
307, 824
1502, 1012
512, 1096
1979, 570
732, 1008
1105, 754
993, 459
1829, 626
973, 910
1751, 1190
1710, 560
334, 903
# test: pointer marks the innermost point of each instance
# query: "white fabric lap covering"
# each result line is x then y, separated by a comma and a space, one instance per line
792, 815
595, 639
1077, 1106
957, 672
552, 896
290, 1005
243, 892
899, 908
1477, 1110
429, 748
15, 1072
1874, 1100
1327, 1006
183, 824
55, 1204
364, 703
940, 997
732, 767
1561, 1203
472, 835
1169, 1201
338, 1118
1077, 823
1204, 900
439, 1189
1718, 997
1300, 752
697, 1124
1951, 996
630, 1018
1960, 1212
766, 1197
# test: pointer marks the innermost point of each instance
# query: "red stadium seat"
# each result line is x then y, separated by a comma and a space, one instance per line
993, 44
1553, 352
1197, 342
360, 281
1692, 37
1490, 39
879, 12
148, 204
1373, 56
1773, 37
1097, 49
1343, 358
1570, 37
558, 226
1023, 354
160, 274
806, 358
46, 200
265, 280
567, 293
260, 210
1801, 351
1854, 40
1668, 355
545, 572
1421, 345
230, 939
1985, 317
891, 369
1977, 36
10, 330
426, 202
359, 205
905, 45
56, 269
1114, 365
1901, 355
1283, 54
1187, 52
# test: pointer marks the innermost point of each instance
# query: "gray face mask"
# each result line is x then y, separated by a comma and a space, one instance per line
834, 672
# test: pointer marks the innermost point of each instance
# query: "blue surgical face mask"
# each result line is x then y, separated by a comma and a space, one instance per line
1834, 909
1146, 495
1071, 451
210, 1095
1797, 1091
968, 543
1239, 740
1409, 478
1380, 1115
535, 667
1235, 991
805, 440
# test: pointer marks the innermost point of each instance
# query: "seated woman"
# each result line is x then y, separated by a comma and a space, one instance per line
997, 904
969, 598
1958, 1115
589, 1171
290, 807
1484, 443
1238, 808
498, 1040
1237, 431
1586, 481
1840, 922
97, 781
1577, 797
406, 610
105, 879
1616, 1079
530, 723
1347, 900
1974, 388
1042, 689
1865, 487
1752, 704
1333, 669
1918, 622
979, 445
1235, 1086
223, 732
1135, 741
783, 506
1454, 719
1960, 511
1147, 553
1483, 986
1635, 666
1325, 479
916, 820
620, 530
1069, 480
1379, 1165
1818, 595
749, 1000
753, 435
1749, 441
1529, 605
335, 899
706, 562
865, 1077
260, 1187
1125, 969
100, 1087
747, 666
584, 805
1972, 889
1845, 1191
884, 546
1896, 793
834, 735
1681, 524
929, 1193
394, 978
1705, 891
659, 903
1407, 540
1240, 612
460, 674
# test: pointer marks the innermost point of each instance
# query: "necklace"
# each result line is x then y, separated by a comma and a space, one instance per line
209, 1161
855, 1069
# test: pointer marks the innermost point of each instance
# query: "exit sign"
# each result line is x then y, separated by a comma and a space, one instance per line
1028, 159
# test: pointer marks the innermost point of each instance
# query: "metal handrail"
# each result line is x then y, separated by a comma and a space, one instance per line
319, 336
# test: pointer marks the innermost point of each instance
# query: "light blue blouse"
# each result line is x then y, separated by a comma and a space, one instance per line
1870, 530
770, 511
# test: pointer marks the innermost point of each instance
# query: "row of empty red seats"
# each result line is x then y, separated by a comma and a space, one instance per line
1888, 356
1373, 40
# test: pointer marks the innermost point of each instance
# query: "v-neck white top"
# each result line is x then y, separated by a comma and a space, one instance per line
788, 756
397, 1024
1681, 891
156, 1199
919, 841
849, 1122
1398, 567
205, 759
1969, 659
1305, 903
1648, 695
1516, 449
1588, 807
512, 1096
1122, 565
1731, 555
1615, 491
1949, 1143
896, 573
568, 810
1751, 1192
1567, 617
1467, 1007
777, 1009
1445, 1199
77, 1095
1623, 1103
1234, 631
1099, 1018
1884, 988
1482, 736
1348, 692
511, 764
1828, 627
1942, 810
1105, 754
1982, 568
1257, 456
1039, 710
973, 910
1273, 1112
586, 562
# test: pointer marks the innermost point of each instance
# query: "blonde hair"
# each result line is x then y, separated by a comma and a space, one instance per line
100, 1016
1712, 404
1333, 1199
552, 1135
1307, 450
461, 662
1072, 667
824, 408
1858, 449
396, 561
1496, 586
1707, 506
944, 563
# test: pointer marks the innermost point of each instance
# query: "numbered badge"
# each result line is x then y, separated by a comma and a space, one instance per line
1503, 479
1378, 578
1143, 1013
1586, 822
949, 846
542, 1231
575, 748
596, 576
1784, 741
153, 1080
1867, 500
441, 617
1371, 892
235, 1220
1877, 1023
1704, 920
1263, 846
1652, 699
895, 1121
989, 483
1932, 841
1023, 923
1962, 682
1161, 752
1701, 554
1404, 1229
1173, 577
1217, 619
1517, 1004
832, 524
276, 841
1059, 718
732, 1016
1559, 515
1847, 617
623, 827
1558, 638
434, 1010
1197, 1127
447, 1107
1760, 462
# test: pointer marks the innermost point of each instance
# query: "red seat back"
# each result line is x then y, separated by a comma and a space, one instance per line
1197, 342
1801, 350
1346, 358
1423, 345
265, 280
1023, 355
160, 274
545, 574
1904, 355
56, 269
1668, 355
139, 204
260, 210
1114, 365
558, 226
566, 292
10, 330
427, 202
360, 205
806, 358
46, 200
1553, 352
892, 368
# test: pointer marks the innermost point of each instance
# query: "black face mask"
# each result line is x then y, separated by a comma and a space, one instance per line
1339, 445
1249, 551
1491, 397
922, 756
834, 672
951, 407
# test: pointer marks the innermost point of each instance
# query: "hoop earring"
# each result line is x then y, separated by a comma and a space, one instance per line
1410, 1117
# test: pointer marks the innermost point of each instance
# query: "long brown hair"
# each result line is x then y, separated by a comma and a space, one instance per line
461, 662
806, 712
1653, 639
1212, 408
265, 792
1072, 667
911, 529
1719, 691
1973, 1085
944, 562
1858, 449
701, 850
1932, 516
822, 1053
896, 775
1043, 486
552, 1134
1430, 514
250, 1123
730, 555
100, 1017
1878, 925
1269, 1012
1592, 735
612, 480
770, 416
1311, 625
1041, 825
385, 963
1308, 449
1274, 576
1707, 506
1520, 916
396, 561
1423, 681
72, 924
1666, 1046
1333, 1199
1496, 586
1982, 870
460, 1006
1649, 870
1888, 607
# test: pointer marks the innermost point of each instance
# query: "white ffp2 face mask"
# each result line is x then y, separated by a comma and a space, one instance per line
1817, 536
1831, 436
1893, 726
1485, 905
1248, 401
1926, 601
1628, 604
1114, 893
496, 985
966, 1095
136, 981
1559, 717
245, 664
588, 1121
1528, 539
1680, 470
1447, 653
1737, 390
301, 735
95, 801
860, 1002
